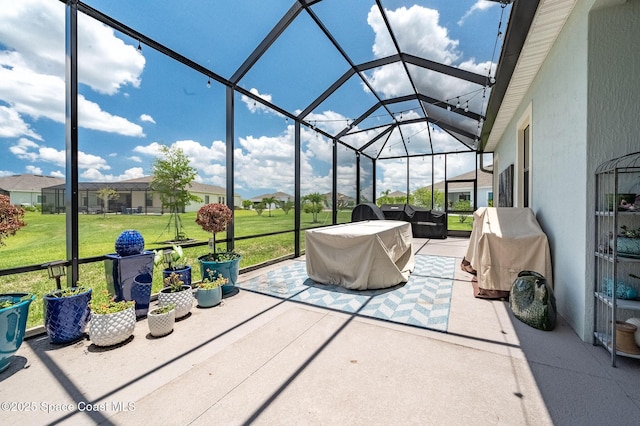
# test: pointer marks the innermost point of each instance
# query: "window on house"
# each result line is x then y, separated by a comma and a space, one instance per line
524, 159
148, 199
206, 199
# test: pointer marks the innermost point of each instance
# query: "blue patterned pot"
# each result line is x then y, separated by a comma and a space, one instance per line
13, 322
129, 242
141, 293
66, 317
229, 269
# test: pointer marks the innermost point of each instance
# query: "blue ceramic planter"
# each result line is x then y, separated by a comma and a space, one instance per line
208, 298
13, 322
66, 317
141, 293
185, 274
121, 272
228, 269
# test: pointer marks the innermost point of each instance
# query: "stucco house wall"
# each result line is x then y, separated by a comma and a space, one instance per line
583, 109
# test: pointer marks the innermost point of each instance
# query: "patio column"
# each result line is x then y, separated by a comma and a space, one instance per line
71, 140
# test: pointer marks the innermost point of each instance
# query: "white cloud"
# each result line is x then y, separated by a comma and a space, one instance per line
147, 118
12, 125
153, 149
419, 32
33, 170
480, 5
135, 159
95, 175
58, 174
32, 69
254, 106
31, 151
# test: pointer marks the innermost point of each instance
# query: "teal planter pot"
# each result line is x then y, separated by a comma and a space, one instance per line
229, 269
13, 323
208, 298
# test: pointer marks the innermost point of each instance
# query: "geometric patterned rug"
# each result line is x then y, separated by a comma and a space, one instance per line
423, 301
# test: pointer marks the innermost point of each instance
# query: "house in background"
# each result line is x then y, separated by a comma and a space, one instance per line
460, 188
134, 196
571, 104
26, 189
343, 201
279, 197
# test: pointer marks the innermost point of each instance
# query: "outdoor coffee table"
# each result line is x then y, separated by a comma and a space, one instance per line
360, 255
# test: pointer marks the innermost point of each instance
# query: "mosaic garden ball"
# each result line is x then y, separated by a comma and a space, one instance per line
129, 242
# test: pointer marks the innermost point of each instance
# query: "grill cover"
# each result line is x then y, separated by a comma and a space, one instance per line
366, 211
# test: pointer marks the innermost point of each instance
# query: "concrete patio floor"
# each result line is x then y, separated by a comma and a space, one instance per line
257, 359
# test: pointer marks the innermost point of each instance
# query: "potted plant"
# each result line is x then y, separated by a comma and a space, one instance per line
177, 293
174, 261
628, 242
209, 290
112, 321
14, 307
66, 313
14, 310
161, 320
214, 218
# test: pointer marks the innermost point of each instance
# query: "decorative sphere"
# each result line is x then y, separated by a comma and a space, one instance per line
129, 242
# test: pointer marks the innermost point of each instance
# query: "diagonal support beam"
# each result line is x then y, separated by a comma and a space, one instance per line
273, 35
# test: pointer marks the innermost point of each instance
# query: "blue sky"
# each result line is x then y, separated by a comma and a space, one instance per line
132, 101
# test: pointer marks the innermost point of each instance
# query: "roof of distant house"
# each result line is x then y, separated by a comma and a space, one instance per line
485, 180
280, 196
28, 182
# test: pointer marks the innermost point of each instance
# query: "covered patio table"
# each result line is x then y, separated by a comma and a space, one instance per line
360, 255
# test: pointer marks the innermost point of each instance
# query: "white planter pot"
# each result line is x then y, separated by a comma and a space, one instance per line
161, 324
111, 329
182, 299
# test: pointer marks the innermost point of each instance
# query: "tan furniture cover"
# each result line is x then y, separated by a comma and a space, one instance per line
505, 241
360, 255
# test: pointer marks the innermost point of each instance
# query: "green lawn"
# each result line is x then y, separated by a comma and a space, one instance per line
43, 240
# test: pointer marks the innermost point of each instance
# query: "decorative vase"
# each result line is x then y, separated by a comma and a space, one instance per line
184, 273
161, 324
129, 242
111, 329
182, 299
209, 297
229, 269
141, 293
13, 322
66, 317
120, 273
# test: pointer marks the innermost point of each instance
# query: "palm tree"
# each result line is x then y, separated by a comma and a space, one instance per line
269, 201
313, 203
